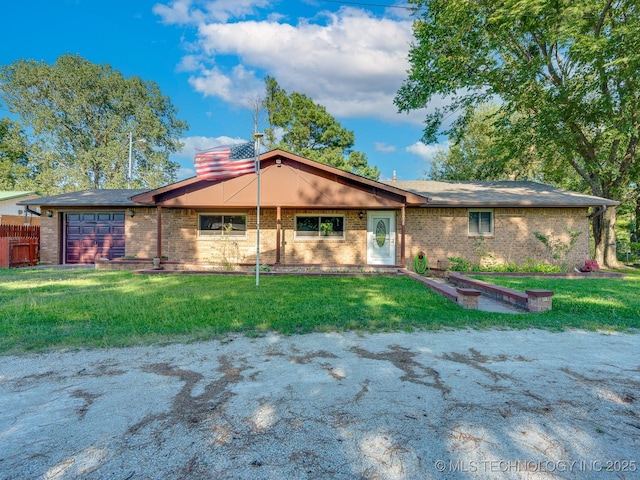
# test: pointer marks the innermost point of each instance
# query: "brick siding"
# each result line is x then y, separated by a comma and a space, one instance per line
442, 233
49, 241
439, 232
180, 241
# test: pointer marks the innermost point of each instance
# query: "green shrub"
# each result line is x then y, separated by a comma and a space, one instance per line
459, 264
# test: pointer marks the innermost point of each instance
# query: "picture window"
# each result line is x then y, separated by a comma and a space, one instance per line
220, 225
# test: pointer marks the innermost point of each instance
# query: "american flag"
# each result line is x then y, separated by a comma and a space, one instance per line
225, 162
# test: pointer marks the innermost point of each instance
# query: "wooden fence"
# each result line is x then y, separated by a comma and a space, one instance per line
19, 245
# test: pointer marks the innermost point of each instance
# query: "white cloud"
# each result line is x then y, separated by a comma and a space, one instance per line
349, 61
184, 173
177, 12
353, 65
239, 88
426, 152
189, 63
183, 12
195, 144
384, 147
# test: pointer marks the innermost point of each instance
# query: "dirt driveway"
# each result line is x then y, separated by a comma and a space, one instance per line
455, 405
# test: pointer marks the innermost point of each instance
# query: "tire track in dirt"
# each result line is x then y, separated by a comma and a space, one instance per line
403, 359
188, 409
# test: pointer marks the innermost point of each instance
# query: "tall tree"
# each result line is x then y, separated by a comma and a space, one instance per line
13, 157
483, 148
78, 117
472, 154
301, 126
565, 70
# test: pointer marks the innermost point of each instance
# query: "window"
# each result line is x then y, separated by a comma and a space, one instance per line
317, 226
480, 222
218, 225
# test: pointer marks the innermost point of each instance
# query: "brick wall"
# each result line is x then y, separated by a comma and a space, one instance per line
180, 241
49, 239
140, 233
352, 250
442, 233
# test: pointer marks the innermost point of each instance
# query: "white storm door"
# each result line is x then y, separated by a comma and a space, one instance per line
381, 238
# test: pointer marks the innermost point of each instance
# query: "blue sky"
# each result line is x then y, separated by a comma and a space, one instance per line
211, 57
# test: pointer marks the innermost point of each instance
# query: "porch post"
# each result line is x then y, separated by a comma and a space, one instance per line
159, 233
278, 232
402, 240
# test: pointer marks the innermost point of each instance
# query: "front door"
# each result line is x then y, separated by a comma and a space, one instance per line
381, 238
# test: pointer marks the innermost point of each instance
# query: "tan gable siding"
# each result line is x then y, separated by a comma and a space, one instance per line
442, 233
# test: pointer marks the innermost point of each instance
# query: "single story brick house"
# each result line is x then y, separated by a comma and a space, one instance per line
315, 214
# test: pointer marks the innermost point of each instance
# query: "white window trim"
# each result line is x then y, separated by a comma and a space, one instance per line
221, 236
321, 238
481, 210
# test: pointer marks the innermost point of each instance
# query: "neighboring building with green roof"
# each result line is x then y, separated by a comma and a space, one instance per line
10, 212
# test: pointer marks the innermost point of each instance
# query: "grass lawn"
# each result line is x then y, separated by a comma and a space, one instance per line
43, 309
586, 303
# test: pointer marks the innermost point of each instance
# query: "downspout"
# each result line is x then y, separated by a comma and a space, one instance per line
32, 212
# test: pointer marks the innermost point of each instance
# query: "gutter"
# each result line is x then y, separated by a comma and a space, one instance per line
33, 212
597, 211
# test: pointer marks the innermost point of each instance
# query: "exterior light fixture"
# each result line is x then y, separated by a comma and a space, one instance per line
361, 214
131, 212
49, 213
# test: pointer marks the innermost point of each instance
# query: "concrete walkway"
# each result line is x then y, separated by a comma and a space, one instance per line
485, 303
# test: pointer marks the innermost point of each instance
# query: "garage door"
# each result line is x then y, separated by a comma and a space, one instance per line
93, 235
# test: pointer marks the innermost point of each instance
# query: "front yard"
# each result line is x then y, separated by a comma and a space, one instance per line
44, 309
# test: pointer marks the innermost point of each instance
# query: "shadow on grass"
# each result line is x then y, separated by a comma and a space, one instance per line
42, 309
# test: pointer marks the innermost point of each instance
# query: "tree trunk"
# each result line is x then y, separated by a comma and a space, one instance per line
604, 235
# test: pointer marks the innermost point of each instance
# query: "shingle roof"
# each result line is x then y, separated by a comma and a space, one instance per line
9, 194
453, 194
88, 198
498, 194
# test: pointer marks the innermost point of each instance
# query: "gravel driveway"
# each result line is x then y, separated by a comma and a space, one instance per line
457, 405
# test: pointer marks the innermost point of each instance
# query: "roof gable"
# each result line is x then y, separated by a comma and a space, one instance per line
287, 180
